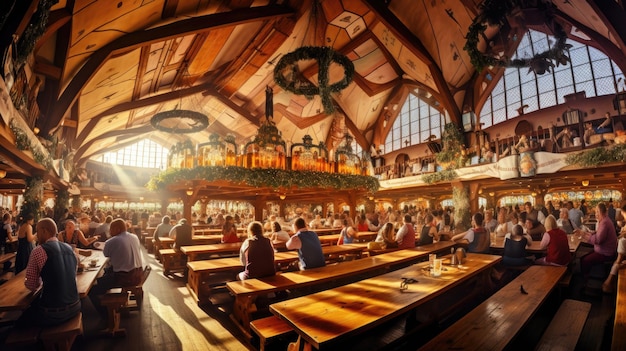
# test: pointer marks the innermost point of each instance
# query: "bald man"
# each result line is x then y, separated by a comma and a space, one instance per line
51, 266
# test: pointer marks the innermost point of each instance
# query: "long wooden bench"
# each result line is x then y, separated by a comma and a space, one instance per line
495, 322
247, 291
566, 326
619, 325
200, 271
59, 337
270, 328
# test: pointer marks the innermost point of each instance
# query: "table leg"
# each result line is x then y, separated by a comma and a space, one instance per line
243, 308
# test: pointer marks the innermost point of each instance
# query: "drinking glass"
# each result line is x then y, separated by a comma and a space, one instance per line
437, 265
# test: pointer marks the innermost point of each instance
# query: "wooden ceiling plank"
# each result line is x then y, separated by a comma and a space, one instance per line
146, 37
414, 44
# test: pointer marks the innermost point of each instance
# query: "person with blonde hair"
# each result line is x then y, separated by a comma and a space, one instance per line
256, 254
554, 240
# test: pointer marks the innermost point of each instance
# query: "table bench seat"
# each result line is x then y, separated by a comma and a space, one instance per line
619, 326
495, 322
59, 337
270, 328
566, 326
172, 260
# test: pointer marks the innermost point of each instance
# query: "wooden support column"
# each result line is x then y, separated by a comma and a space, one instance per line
259, 204
164, 204
351, 200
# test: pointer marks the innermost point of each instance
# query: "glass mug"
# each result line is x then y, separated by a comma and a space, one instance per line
437, 267
431, 260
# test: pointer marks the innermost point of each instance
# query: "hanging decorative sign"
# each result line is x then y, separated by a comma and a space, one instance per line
296, 84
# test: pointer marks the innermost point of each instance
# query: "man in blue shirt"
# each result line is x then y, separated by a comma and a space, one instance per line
308, 245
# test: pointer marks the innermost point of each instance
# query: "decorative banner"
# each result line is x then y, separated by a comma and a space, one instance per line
527, 164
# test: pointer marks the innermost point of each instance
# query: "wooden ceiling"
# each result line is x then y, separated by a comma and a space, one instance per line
108, 66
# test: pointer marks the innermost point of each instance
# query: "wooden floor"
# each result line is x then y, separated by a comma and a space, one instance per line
171, 320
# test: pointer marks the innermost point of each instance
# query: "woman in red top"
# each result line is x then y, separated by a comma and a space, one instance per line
229, 231
362, 226
555, 240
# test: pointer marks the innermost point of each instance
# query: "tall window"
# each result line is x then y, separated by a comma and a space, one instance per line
145, 153
590, 71
416, 122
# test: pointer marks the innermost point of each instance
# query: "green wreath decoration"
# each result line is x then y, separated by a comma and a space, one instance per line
324, 56
200, 121
494, 12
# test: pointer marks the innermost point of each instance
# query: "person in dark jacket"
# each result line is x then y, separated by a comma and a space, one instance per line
51, 267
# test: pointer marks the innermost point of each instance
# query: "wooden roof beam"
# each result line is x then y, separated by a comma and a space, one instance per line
169, 31
414, 44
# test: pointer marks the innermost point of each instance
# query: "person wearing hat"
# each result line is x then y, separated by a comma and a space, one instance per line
182, 233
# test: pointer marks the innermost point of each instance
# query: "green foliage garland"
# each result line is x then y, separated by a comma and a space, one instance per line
272, 178
462, 215
494, 12
324, 56
33, 195
452, 140
22, 142
598, 156
35, 29
441, 176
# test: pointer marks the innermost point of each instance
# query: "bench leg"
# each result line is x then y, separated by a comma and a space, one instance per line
299, 345
242, 309
113, 305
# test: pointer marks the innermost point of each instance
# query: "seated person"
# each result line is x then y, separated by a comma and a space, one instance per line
163, 229
125, 263
406, 234
604, 240
563, 222
515, 244
386, 237
477, 237
308, 245
609, 284
428, 231
182, 233
348, 233
52, 266
71, 235
256, 254
278, 234
555, 242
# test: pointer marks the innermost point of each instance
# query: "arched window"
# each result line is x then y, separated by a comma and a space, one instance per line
416, 122
590, 71
145, 153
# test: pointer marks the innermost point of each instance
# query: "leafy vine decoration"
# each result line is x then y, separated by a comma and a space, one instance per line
495, 12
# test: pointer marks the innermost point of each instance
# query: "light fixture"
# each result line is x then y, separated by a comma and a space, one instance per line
533, 194
282, 196
36, 130
491, 193
371, 198
3, 173
141, 198
105, 197
585, 182
189, 192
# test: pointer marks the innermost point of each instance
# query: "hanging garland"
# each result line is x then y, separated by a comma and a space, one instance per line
324, 56
495, 12
199, 121
35, 29
272, 178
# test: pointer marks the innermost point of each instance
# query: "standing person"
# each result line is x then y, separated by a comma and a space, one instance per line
182, 233
51, 266
6, 231
555, 241
575, 215
477, 237
71, 235
490, 222
125, 263
604, 240
308, 245
406, 235
229, 231
104, 230
564, 222
256, 254
25, 242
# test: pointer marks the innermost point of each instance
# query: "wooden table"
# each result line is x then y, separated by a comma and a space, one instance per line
15, 296
619, 325
166, 242
87, 278
494, 323
199, 271
247, 291
328, 317
7, 257
194, 251
572, 239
